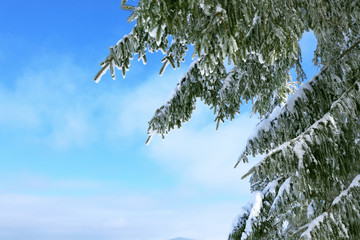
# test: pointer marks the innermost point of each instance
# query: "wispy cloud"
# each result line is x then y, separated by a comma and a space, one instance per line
57, 105
131, 216
47, 104
205, 156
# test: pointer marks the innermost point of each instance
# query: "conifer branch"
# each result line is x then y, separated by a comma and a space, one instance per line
314, 138
248, 173
104, 68
222, 20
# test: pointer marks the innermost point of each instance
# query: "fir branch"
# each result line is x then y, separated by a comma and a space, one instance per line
302, 137
101, 72
222, 20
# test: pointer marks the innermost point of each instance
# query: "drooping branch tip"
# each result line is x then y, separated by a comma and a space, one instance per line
101, 73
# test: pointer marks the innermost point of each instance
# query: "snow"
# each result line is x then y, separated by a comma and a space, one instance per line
265, 123
173, 93
164, 110
285, 226
271, 186
343, 227
289, 106
261, 59
226, 83
244, 212
262, 77
279, 148
192, 65
166, 65
299, 141
205, 8
152, 33
299, 151
325, 119
97, 80
256, 17
310, 210
219, 9
284, 187
149, 139
314, 223
354, 183
142, 59
300, 93
122, 40
254, 212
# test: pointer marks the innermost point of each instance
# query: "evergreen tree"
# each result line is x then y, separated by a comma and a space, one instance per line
308, 184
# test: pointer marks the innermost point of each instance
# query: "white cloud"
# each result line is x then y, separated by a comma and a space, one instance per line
120, 214
57, 105
60, 104
47, 105
109, 217
27, 182
135, 108
206, 156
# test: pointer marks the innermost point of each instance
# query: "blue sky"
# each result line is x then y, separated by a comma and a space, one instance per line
73, 163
